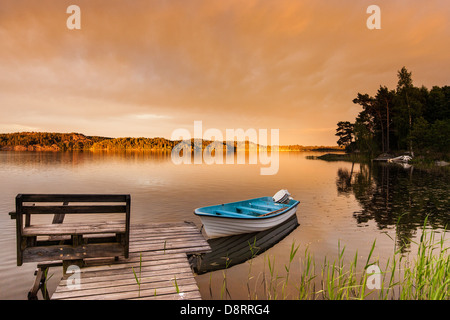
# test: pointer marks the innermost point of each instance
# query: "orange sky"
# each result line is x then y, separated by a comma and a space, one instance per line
145, 68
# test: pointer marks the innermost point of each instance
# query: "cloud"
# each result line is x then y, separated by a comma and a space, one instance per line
284, 64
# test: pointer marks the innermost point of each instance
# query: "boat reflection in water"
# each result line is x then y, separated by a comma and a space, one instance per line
233, 250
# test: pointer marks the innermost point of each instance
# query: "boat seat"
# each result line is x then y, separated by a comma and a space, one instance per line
266, 207
228, 213
258, 211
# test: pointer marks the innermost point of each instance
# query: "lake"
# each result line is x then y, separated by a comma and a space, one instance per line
342, 204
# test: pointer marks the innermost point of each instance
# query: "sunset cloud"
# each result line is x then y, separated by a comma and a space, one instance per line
145, 68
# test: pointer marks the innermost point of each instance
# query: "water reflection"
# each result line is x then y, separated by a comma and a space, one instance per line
229, 251
397, 197
164, 192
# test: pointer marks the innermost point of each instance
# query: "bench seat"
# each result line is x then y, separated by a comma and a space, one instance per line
74, 229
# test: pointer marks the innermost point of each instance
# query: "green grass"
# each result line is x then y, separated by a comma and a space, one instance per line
421, 275
429, 277
136, 277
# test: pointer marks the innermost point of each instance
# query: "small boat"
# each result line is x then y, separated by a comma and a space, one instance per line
229, 251
246, 216
403, 159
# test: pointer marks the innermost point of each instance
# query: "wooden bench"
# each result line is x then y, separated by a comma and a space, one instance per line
74, 241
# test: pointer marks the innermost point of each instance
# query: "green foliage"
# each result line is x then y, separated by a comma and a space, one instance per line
425, 276
408, 118
48, 140
345, 133
75, 141
134, 144
45, 141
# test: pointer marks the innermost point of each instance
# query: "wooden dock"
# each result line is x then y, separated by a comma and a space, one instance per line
158, 254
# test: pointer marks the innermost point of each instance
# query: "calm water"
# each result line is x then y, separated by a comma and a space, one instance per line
352, 204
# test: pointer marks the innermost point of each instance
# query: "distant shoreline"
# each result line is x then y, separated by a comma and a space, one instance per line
56, 142
39, 148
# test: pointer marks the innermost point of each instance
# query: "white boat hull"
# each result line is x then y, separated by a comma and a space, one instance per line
216, 227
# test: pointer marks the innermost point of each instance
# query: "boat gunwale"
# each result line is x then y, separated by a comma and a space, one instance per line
247, 217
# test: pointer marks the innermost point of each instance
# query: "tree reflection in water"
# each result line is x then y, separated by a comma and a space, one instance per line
396, 196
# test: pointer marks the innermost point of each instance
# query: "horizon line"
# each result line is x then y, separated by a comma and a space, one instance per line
142, 137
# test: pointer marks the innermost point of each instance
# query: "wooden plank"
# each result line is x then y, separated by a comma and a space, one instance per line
157, 253
62, 252
170, 242
95, 283
163, 232
181, 247
162, 239
134, 293
136, 264
74, 197
105, 222
166, 227
191, 295
196, 250
163, 235
111, 278
75, 229
74, 209
152, 255
128, 272
124, 272
170, 248
126, 288
107, 262
154, 233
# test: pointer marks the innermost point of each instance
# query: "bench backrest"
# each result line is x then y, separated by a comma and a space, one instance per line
83, 239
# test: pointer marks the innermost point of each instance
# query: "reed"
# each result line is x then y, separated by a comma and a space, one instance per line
287, 267
307, 275
224, 292
428, 277
425, 276
254, 252
175, 284
138, 279
271, 287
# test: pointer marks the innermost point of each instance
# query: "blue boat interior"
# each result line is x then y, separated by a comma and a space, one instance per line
253, 208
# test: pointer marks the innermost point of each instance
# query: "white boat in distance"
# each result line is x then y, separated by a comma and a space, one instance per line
403, 159
246, 216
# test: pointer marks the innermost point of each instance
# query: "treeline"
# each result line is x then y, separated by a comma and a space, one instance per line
134, 144
35, 141
408, 118
47, 141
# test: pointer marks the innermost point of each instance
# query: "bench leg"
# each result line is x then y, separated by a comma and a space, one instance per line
39, 284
